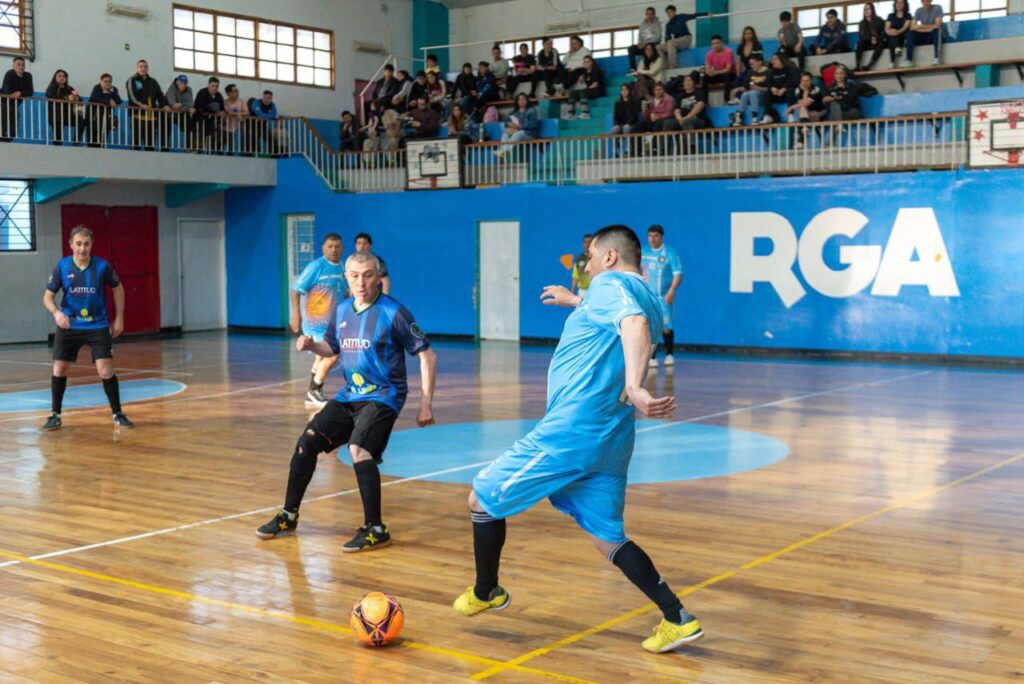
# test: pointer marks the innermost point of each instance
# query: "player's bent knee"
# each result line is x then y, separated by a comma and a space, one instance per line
603, 546
474, 503
359, 454
310, 445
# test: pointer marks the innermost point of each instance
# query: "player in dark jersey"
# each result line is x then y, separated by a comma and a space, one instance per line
82, 320
364, 243
372, 333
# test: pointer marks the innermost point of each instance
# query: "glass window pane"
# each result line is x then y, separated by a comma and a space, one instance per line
268, 32
508, 50
247, 67
246, 48
967, 16
285, 72
204, 42
183, 18
623, 39
602, 41
993, 13
183, 59
10, 37
990, 4
807, 19
268, 70
245, 29
304, 75
967, 6
285, 53
597, 54
226, 25
304, 38
562, 45
203, 22
183, 39
286, 35
304, 56
538, 45
17, 231
226, 45
322, 41
587, 40
620, 52
268, 51
226, 65
854, 13
204, 61
323, 78
323, 60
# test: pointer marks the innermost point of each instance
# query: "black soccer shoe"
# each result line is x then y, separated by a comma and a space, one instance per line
368, 537
121, 420
279, 525
53, 422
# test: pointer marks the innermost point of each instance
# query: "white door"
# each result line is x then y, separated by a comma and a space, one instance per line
499, 280
203, 282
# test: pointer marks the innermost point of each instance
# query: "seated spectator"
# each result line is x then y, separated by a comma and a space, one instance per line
181, 101
549, 66
524, 70
650, 33
373, 131
465, 84
718, 66
692, 112
485, 91
749, 47
753, 94
791, 38
871, 37
806, 105
461, 126
500, 68
897, 25
100, 114
64, 113
843, 99
677, 34
649, 71
424, 120
574, 62
782, 78
235, 111
926, 29
209, 106
437, 92
522, 123
658, 116
592, 81
432, 67
391, 140
832, 36
387, 86
265, 110
350, 136
418, 89
401, 99
626, 116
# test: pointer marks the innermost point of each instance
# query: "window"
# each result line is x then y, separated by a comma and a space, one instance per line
14, 26
247, 47
811, 18
603, 43
17, 228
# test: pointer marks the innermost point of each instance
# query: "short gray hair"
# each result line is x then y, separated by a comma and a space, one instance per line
363, 258
80, 230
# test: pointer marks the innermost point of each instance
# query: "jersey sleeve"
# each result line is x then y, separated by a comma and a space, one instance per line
407, 333
55, 282
304, 283
609, 301
331, 333
111, 276
383, 267
676, 264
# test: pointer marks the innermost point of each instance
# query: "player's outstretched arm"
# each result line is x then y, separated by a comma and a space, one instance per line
428, 378
295, 319
117, 326
321, 348
559, 296
636, 347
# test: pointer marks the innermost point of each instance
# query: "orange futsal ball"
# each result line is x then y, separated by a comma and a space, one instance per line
377, 619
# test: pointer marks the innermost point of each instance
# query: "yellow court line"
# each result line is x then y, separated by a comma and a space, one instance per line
518, 661
278, 615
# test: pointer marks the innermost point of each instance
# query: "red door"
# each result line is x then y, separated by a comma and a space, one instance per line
128, 238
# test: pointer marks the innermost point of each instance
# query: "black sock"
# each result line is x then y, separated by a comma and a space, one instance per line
638, 567
57, 387
488, 538
313, 384
301, 471
368, 477
113, 391
670, 341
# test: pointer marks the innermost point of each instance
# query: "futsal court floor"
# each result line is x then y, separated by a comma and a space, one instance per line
825, 520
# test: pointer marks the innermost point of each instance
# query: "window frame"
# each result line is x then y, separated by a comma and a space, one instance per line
257, 21
536, 42
23, 49
948, 14
30, 199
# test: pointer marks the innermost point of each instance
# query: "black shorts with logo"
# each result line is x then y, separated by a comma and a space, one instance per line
66, 344
366, 424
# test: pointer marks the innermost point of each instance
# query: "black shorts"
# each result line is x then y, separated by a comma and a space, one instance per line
366, 424
66, 344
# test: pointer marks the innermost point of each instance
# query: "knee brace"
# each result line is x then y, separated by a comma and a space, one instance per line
311, 444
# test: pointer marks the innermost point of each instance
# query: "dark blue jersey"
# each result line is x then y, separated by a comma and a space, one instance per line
372, 344
85, 291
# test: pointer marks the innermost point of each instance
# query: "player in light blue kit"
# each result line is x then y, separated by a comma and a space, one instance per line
595, 380
663, 272
323, 284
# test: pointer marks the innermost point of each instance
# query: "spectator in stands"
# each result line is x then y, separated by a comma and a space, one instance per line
753, 94
349, 136
181, 100
400, 101
626, 116
650, 34
265, 109
832, 36
649, 71
460, 125
145, 99
750, 46
523, 123
485, 91
592, 81
791, 38
432, 67
926, 29
677, 34
235, 111
897, 25
387, 87
692, 112
782, 78
658, 116
424, 120
437, 93
718, 66
210, 114
373, 131
65, 113
100, 119
806, 105
418, 89
17, 85
871, 37
465, 84
549, 66
500, 67
574, 62
524, 70
391, 139
843, 100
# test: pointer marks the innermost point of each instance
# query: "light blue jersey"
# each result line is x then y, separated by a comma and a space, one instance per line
660, 267
323, 284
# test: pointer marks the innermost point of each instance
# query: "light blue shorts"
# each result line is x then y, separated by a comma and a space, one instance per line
519, 479
666, 314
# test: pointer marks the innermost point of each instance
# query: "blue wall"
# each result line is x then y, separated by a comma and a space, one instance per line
429, 240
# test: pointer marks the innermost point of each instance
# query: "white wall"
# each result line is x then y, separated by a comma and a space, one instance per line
23, 275
80, 37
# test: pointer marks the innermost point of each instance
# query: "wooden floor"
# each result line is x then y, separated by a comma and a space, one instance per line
888, 546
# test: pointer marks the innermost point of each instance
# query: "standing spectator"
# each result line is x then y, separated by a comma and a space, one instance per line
843, 100
485, 91
364, 244
580, 277
692, 112
100, 115
210, 114
17, 85
593, 88
387, 86
424, 120
549, 66
235, 111
437, 93
659, 117
401, 99
65, 112
806, 105
782, 78
265, 110
146, 98
500, 67
182, 104
663, 272
718, 66
650, 33
575, 62
650, 71
871, 37
349, 136
897, 25
626, 116
677, 34
432, 67
791, 38
753, 94
926, 29
832, 36
522, 123
524, 70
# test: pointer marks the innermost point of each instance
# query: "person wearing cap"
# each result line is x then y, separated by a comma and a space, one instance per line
182, 103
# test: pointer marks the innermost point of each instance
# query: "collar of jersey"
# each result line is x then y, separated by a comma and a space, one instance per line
380, 291
81, 268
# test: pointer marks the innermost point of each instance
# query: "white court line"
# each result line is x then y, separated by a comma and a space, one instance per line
211, 521
133, 370
778, 402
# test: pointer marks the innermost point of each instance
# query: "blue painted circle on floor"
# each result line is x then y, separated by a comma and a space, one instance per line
665, 452
85, 396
